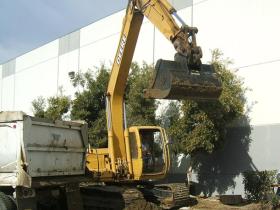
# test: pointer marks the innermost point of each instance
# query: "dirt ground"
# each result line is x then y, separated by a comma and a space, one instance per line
214, 203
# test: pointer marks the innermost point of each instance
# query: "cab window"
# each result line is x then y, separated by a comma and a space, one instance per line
152, 150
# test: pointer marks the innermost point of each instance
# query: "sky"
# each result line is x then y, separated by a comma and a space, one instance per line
28, 24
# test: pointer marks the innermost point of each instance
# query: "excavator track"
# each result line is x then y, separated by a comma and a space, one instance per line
161, 196
168, 196
115, 198
94, 197
179, 195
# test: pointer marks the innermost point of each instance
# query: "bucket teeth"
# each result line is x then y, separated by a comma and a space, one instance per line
173, 81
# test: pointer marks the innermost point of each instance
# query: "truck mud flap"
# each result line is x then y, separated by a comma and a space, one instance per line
173, 81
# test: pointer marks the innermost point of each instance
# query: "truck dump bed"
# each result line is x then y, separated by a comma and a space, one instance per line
33, 148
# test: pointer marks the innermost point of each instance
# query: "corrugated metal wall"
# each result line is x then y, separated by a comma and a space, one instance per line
69, 42
8, 68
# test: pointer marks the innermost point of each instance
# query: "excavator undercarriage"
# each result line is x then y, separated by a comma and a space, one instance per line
128, 197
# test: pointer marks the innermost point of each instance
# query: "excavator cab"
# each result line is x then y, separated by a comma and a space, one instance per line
176, 80
149, 152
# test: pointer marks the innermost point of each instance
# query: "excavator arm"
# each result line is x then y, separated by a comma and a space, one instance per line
161, 14
172, 79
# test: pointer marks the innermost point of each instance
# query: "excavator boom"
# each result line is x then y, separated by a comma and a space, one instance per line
184, 78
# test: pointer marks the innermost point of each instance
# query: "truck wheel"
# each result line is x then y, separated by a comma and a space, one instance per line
142, 205
6, 203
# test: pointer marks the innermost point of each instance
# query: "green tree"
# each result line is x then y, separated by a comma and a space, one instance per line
140, 111
170, 120
39, 106
89, 103
54, 108
90, 98
202, 126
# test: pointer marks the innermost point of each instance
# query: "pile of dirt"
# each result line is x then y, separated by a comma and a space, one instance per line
214, 203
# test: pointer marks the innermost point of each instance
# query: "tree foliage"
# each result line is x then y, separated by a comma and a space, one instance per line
202, 125
89, 104
140, 111
39, 106
90, 98
53, 108
257, 184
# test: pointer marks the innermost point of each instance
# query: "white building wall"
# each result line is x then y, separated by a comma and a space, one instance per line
67, 62
37, 80
8, 88
246, 32
92, 55
1, 84
99, 41
35, 57
263, 82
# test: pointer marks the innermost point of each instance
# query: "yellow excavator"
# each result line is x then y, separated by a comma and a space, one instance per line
140, 154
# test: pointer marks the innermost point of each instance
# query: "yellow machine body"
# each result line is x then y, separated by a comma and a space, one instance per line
124, 159
148, 159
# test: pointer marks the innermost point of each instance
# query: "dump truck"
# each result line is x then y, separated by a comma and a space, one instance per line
41, 162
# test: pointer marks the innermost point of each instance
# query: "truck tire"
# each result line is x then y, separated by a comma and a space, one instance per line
6, 203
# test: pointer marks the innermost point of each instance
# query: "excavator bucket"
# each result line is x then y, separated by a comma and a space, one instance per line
172, 80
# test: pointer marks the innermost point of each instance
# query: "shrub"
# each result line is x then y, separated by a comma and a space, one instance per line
275, 201
257, 184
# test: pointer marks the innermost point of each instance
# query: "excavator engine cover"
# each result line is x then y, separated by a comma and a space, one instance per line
172, 80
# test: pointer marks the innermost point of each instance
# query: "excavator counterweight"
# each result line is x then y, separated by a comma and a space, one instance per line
174, 80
